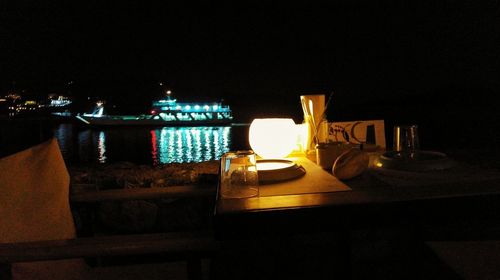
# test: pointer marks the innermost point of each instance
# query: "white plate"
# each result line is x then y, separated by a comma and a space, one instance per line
421, 162
277, 170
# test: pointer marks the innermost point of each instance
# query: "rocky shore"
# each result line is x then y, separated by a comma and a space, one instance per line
129, 175
158, 215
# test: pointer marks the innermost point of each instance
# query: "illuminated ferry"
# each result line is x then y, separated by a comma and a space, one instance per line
165, 112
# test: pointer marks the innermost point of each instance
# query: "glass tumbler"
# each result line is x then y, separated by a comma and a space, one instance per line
406, 140
238, 175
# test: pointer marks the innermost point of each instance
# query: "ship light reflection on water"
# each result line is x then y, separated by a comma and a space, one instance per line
143, 145
189, 144
101, 147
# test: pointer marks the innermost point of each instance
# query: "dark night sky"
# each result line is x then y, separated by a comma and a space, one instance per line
372, 55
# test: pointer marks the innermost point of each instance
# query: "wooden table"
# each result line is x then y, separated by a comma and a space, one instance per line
444, 209
368, 201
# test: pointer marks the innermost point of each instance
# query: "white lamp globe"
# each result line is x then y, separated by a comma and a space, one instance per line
272, 138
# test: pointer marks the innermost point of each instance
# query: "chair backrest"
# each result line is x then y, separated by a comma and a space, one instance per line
34, 205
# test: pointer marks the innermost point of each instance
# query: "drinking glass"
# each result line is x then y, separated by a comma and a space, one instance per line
406, 142
238, 175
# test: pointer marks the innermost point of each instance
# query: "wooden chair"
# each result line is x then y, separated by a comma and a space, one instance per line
190, 247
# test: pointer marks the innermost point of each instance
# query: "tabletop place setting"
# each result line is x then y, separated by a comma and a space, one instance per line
342, 151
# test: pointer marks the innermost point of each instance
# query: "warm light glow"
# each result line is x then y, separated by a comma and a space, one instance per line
273, 138
273, 165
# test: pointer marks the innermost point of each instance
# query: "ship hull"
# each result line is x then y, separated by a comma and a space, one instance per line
144, 121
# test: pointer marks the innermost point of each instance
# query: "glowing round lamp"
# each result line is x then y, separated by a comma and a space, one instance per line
272, 138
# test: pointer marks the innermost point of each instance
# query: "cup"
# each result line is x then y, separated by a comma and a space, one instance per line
327, 153
238, 175
406, 140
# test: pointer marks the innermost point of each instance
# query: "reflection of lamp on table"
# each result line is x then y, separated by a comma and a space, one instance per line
273, 140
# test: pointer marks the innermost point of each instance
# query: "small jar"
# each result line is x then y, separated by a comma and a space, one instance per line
327, 153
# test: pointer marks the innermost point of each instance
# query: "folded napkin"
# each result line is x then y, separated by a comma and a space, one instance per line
34, 206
